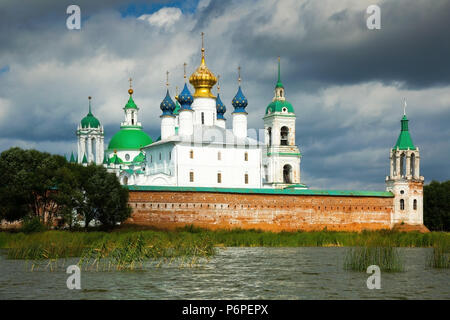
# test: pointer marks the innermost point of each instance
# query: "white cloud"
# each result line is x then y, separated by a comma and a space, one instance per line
163, 18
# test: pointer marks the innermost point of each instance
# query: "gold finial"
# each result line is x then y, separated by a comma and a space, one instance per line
218, 84
176, 93
184, 66
239, 75
167, 79
130, 91
89, 97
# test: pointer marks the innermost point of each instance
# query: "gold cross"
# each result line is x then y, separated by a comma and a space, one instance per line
167, 79
130, 82
239, 73
218, 84
202, 39
185, 64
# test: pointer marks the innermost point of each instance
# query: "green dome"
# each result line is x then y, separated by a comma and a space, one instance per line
129, 139
90, 121
278, 105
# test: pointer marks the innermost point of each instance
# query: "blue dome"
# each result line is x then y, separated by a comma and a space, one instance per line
220, 107
239, 101
167, 105
185, 98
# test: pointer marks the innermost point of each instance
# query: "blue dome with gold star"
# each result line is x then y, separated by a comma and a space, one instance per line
167, 105
220, 107
239, 101
185, 98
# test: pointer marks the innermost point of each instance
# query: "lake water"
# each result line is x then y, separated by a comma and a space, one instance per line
235, 273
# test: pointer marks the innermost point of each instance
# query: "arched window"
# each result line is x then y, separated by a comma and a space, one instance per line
170, 155
132, 118
413, 165
203, 118
402, 164
219, 177
191, 154
191, 176
266, 173
284, 136
269, 131
415, 204
246, 178
402, 204
246, 156
287, 174
219, 156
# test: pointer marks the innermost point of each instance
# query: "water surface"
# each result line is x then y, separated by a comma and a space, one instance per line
235, 273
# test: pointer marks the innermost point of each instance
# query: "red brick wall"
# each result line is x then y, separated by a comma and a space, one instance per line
166, 209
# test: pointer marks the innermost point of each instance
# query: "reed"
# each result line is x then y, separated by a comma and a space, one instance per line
387, 258
440, 256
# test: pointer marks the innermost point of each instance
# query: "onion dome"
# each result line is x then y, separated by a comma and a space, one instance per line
239, 101
185, 98
90, 121
167, 105
203, 79
220, 107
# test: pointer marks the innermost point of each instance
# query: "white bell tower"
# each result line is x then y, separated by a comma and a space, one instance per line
90, 136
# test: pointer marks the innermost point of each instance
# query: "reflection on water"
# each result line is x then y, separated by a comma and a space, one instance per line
235, 273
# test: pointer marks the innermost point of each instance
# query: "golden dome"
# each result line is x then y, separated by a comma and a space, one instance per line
203, 80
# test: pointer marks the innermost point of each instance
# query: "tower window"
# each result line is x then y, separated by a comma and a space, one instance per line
203, 118
191, 154
246, 156
219, 156
219, 178
160, 156
284, 136
287, 174
191, 176
402, 204
415, 204
170, 155
269, 131
246, 178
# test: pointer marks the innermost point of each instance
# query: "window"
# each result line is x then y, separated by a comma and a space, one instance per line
191, 154
287, 174
170, 155
415, 204
160, 156
284, 136
246, 156
151, 158
402, 204
269, 131
219, 178
246, 178
127, 157
191, 176
219, 156
203, 118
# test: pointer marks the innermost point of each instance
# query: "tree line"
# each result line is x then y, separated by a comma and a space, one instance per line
436, 205
38, 185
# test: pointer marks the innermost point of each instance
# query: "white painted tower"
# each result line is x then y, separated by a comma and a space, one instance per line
90, 136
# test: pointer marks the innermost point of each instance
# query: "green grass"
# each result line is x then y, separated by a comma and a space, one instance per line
386, 258
440, 256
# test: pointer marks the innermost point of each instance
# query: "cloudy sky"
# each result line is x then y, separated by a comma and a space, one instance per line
346, 82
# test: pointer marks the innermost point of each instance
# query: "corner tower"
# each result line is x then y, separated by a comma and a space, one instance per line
404, 179
281, 157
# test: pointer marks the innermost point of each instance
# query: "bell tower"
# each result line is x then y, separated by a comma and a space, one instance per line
281, 156
404, 179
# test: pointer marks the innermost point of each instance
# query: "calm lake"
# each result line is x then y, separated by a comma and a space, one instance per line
235, 273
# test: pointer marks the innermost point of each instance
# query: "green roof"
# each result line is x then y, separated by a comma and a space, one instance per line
140, 157
72, 158
129, 139
177, 108
288, 191
278, 105
115, 159
130, 104
84, 159
404, 141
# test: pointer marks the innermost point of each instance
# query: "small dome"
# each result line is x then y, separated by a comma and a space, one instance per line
90, 120
167, 105
185, 98
220, 107
239, 101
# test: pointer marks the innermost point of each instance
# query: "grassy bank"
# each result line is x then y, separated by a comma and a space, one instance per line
70, 244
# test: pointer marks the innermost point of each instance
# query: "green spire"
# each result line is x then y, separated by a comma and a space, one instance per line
404, 141
279, 84
84, 159
105, 159
130, 104
72, 158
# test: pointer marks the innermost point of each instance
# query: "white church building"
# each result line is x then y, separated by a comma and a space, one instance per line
198, 147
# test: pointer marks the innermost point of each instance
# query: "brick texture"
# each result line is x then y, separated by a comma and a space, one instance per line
169, 210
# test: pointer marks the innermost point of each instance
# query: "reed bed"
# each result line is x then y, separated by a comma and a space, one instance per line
386, 258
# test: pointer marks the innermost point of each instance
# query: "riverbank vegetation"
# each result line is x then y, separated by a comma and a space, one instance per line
386, 258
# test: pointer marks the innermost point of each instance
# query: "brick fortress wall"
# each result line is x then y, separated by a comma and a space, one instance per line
270, 212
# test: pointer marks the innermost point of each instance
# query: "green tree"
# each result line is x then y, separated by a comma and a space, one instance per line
436, 206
